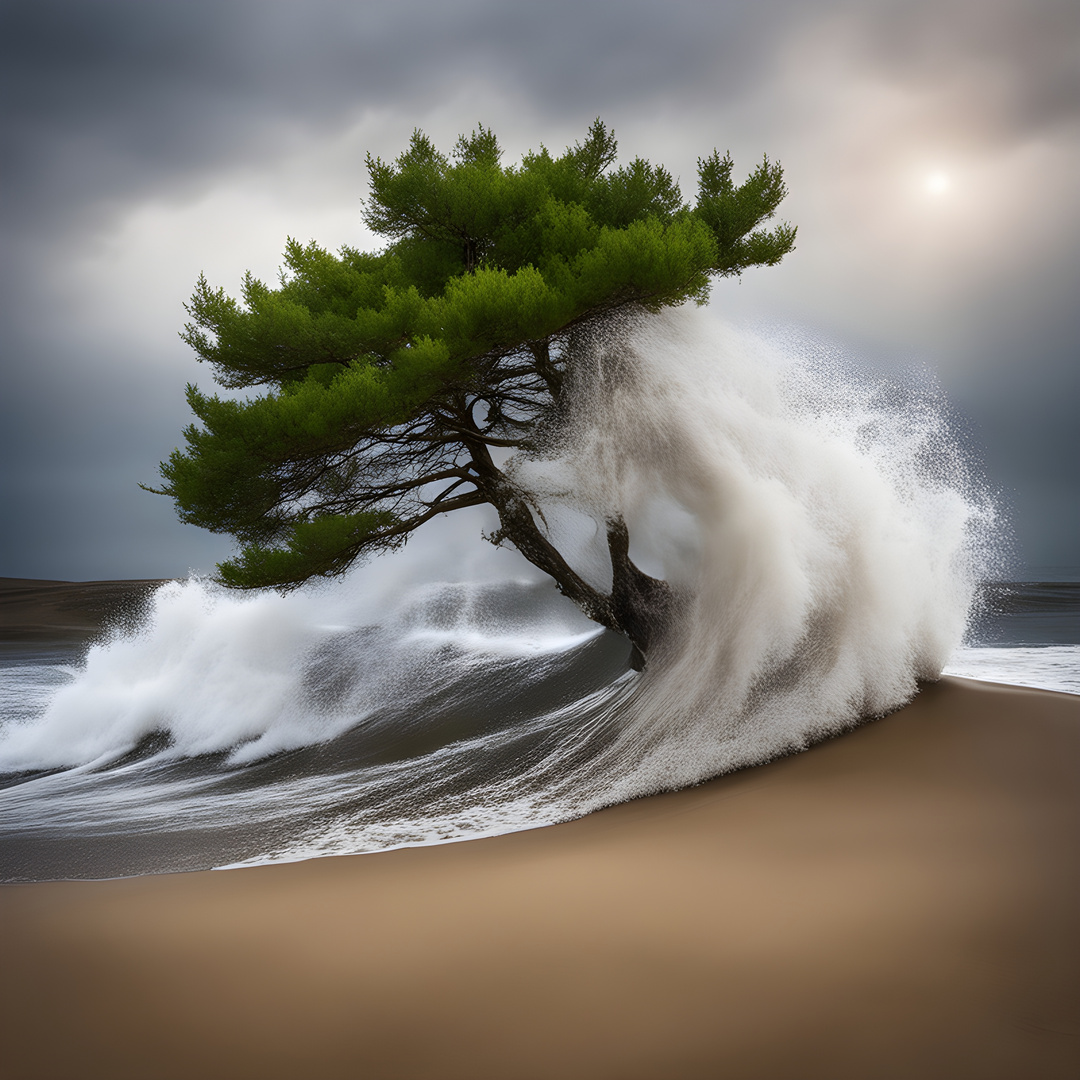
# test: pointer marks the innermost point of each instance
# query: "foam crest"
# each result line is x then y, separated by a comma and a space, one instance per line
216, 672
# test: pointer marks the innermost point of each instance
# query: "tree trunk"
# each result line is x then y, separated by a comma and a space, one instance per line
642, 606
639, 607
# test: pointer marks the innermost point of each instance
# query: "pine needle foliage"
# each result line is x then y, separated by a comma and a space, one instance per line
382, 380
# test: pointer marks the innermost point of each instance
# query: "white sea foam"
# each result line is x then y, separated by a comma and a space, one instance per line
218, 672
1046, 667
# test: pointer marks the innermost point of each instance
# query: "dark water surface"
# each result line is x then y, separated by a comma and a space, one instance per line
454, 731
1028, 613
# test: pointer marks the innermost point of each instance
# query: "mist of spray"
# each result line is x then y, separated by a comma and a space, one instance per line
823, 529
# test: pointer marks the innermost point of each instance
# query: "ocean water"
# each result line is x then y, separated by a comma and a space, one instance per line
1024, 633
825, 531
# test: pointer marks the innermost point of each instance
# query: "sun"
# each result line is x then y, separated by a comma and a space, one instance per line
937, 183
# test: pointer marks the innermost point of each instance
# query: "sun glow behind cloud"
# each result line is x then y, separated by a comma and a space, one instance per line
937, 183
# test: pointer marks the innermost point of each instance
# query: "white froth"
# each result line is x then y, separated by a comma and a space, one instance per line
835, 547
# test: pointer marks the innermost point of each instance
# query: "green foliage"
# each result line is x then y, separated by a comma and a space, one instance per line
325, 545
386, 377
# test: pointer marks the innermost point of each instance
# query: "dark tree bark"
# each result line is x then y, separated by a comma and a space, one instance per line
642, 606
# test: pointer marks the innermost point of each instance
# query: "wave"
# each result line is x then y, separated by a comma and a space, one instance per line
821, 526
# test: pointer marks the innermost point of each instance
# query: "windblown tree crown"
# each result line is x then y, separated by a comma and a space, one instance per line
383, 380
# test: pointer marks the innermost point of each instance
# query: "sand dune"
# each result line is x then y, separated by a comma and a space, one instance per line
899, 902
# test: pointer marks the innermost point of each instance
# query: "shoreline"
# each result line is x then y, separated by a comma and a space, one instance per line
898, 901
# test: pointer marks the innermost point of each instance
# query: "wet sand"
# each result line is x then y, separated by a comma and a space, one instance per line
903, 901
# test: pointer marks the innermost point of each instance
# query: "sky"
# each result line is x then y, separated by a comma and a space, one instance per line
931, 148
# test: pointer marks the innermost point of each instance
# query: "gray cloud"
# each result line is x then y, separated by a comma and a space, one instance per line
103, 99
109, 106
1022, 55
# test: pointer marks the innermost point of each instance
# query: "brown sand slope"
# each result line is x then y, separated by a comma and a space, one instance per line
33, 611
900, 902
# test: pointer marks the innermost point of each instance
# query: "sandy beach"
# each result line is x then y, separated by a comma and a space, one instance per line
898, 902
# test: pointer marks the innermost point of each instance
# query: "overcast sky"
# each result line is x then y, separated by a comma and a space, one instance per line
932, 149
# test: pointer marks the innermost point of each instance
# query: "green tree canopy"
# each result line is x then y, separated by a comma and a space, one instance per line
383, 380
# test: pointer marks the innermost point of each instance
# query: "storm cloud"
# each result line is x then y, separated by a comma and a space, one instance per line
144, 143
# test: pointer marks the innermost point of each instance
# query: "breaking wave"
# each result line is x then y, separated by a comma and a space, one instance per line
820, 526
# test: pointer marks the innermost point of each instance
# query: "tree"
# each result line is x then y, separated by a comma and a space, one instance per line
388, 378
